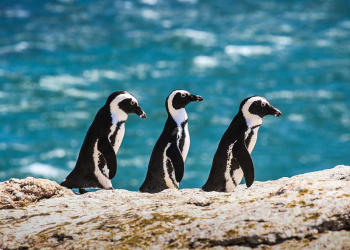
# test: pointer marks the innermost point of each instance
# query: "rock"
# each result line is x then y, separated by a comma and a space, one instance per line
303, 212
18, 193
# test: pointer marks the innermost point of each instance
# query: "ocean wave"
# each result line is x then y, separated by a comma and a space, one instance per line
150, 14
296, 118
59, 82
95, 75
82, 93
15, 13
55, 153
149, 2
14, 48
197, 37
43, 170
287, 94
237, 50
205, 62
138, 161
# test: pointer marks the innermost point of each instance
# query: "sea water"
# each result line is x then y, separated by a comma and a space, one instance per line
59, 61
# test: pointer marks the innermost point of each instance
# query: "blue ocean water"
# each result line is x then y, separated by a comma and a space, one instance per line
59, 61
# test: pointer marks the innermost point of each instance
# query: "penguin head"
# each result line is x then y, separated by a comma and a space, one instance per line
255, 108
122, 103
179, 99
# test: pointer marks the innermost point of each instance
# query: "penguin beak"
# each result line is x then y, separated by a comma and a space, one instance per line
275, 112
195, 98
140, 112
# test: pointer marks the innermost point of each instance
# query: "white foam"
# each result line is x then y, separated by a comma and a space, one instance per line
137, 161
150, 14
234, 50
44, 170
298, 94
55, 153
94, 75
16, 13
60, 82
81, 93
197, 37
281, 40
205, 62
14, 48
149, 2
296, 118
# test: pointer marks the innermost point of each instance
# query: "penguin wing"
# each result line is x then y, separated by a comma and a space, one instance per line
245, 161
173, 152
105, 147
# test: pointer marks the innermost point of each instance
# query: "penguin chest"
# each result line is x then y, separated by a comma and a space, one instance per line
169, 170
233, 173
116, 135
251, 136
101, 170
184, 141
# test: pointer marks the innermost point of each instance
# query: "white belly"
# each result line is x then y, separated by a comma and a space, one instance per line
102, 179
119, 137
168, 180
253, 139
237, 175
186, 144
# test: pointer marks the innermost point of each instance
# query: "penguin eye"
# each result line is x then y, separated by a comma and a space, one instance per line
263, 104
132, 103
183, 95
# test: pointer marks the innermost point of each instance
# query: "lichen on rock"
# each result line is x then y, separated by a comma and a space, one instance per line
303, 212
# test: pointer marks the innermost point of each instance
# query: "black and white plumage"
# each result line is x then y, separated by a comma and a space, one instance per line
232, 159
166, 166
97, 163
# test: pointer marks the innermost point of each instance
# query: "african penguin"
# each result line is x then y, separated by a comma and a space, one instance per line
97, 163
166, 165
232, 159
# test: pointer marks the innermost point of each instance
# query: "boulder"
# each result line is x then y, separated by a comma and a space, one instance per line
309, 211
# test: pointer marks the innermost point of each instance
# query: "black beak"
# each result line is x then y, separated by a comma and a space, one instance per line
275, 112
140, 112
196, 98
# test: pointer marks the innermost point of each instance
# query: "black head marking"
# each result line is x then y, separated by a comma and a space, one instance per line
260, 107
128, 103
180, 99
114, 95
130, 106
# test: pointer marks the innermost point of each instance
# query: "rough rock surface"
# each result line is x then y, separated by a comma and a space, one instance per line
310, 211
16, 193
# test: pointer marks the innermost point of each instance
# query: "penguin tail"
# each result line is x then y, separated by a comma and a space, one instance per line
67, 183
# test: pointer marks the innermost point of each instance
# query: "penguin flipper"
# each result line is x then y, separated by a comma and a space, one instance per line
105, 147
245, 161
173, 152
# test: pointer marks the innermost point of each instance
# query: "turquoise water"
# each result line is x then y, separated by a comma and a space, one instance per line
59, 60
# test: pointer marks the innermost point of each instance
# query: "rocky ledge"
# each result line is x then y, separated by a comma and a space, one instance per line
310, 211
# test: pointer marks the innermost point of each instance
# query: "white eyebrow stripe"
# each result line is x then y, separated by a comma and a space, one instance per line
251, 119
179, 115
114, 107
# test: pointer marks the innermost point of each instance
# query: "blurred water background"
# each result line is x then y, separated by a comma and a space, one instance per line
59, 61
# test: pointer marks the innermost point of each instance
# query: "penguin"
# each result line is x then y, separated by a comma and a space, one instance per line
233, 158
97, 164
167, 163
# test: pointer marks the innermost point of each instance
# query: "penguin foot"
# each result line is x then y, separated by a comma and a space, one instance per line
82, 191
